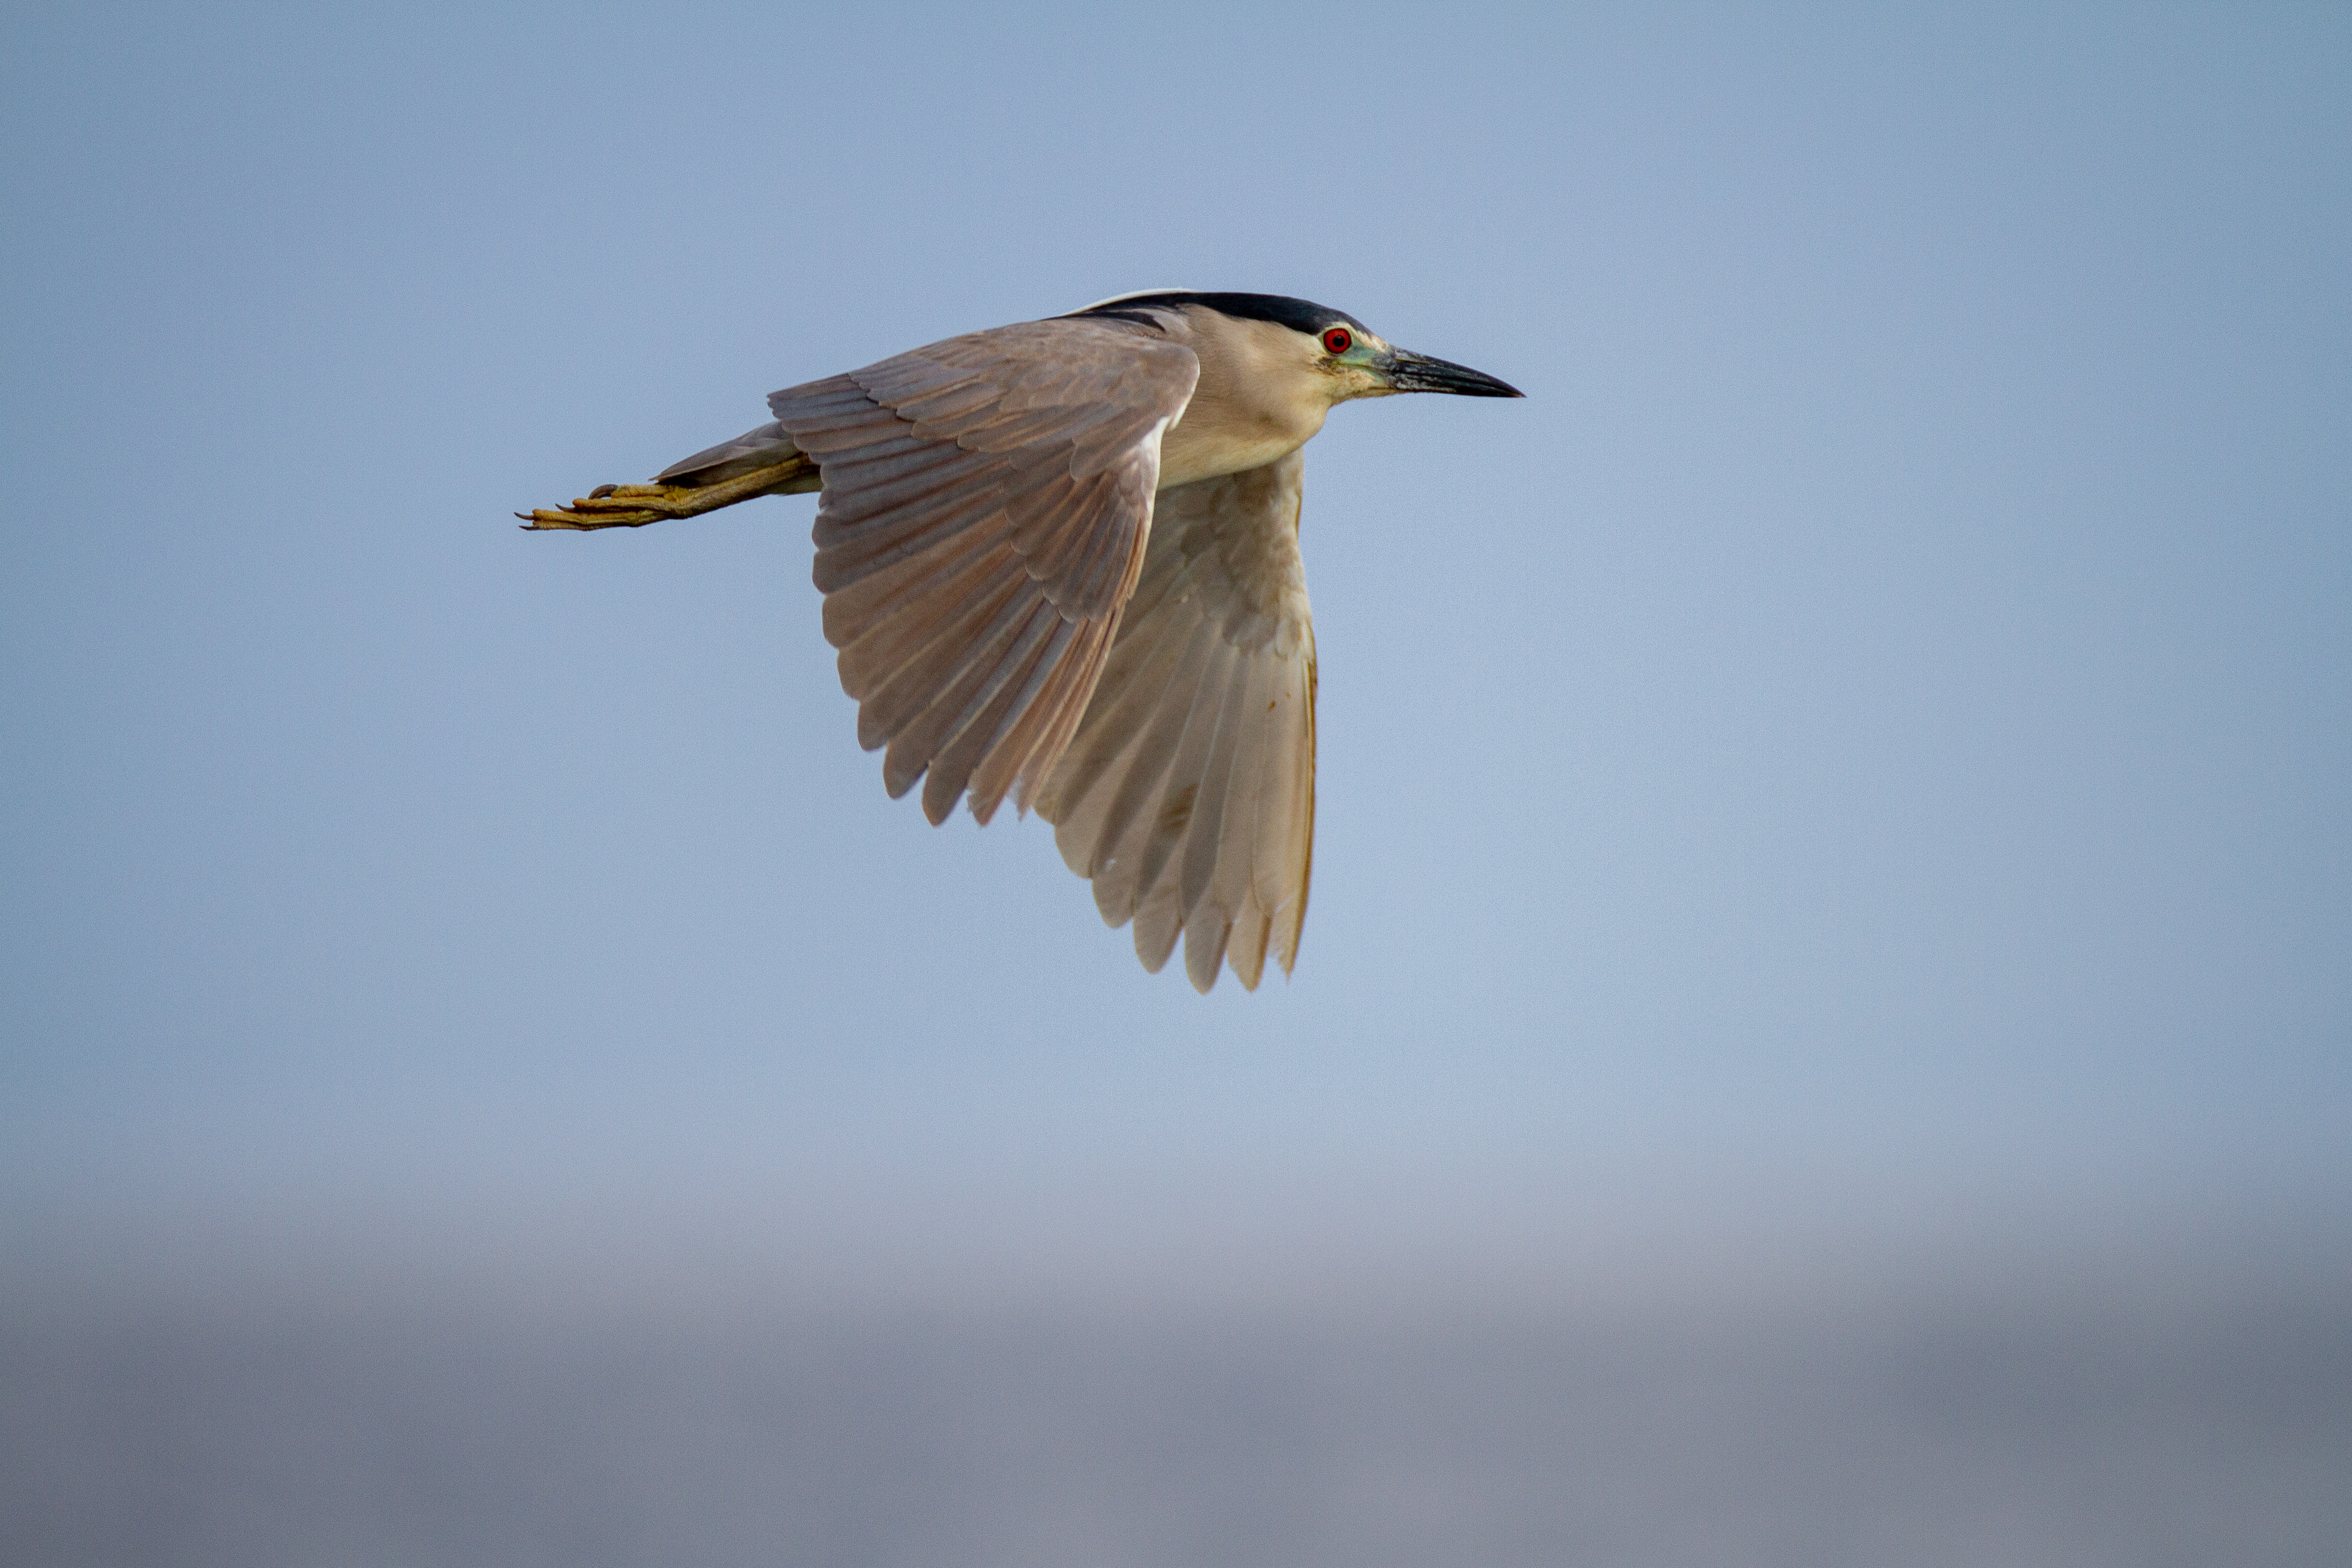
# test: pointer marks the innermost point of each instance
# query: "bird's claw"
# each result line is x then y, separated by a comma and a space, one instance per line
619, 506
633, 506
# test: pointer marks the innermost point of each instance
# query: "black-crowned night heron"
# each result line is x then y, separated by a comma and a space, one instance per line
1061, 563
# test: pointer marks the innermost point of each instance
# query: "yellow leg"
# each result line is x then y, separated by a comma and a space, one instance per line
633, 506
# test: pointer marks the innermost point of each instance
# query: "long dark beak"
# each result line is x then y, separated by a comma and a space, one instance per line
1410, 372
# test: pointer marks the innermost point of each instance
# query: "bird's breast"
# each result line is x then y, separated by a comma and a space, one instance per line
1221, 439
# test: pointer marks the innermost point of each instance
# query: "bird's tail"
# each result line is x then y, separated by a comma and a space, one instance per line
763, 462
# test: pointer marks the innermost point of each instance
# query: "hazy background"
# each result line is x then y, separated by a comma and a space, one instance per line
1826, 999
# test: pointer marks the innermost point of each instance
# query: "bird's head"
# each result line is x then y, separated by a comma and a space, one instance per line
1359, 363
1308, 351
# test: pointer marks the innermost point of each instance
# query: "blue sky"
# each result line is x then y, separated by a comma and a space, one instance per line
1863, 751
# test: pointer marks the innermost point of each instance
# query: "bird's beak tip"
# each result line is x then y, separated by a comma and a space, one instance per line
1420, 372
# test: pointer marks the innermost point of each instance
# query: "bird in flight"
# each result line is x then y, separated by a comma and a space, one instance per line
1060, 560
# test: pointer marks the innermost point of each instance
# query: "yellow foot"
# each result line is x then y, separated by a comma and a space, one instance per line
633, 506
616, 506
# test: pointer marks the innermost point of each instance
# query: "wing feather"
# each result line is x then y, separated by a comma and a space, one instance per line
1139, 811
1158, 921
1134, 683
986, 504
990, 710
1202, 837
1188, 792
913, 708
1245, 949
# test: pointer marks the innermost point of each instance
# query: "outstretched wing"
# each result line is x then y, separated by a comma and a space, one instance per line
1188, 793
986, 503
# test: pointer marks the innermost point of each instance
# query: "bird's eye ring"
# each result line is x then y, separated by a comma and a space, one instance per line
1339, 341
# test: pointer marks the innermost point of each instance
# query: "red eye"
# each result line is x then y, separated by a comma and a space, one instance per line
1339, 341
